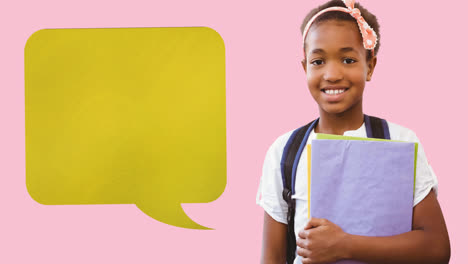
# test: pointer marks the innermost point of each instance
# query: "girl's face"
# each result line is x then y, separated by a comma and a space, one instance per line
336, 66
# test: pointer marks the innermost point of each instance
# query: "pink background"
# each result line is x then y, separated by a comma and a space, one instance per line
420, 83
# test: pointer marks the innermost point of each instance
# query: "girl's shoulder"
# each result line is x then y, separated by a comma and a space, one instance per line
276, 148
398, 132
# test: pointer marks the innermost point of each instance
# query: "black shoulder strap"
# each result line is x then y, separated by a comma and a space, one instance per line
375, 128
289, 160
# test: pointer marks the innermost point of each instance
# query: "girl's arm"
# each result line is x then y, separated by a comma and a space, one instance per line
428, 242
274, 241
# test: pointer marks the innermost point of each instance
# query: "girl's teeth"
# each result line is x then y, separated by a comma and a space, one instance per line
334, 91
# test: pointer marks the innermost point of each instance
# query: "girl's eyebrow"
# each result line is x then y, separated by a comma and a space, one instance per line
347, 49
321, 51
317, 51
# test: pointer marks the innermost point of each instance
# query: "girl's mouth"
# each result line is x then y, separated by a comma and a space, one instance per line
334, 95
334, 91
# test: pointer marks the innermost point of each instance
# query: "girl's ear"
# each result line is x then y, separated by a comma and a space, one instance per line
304, 65
370, 67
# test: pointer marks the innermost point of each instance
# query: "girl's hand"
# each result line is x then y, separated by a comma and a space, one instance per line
321, 241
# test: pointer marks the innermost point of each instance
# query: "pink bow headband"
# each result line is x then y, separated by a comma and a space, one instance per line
369, 37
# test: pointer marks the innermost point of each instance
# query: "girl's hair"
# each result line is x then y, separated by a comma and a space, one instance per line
370, 18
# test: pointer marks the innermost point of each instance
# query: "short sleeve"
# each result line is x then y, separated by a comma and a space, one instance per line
269, 195
426, 179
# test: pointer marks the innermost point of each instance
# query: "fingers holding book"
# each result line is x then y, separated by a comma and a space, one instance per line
321, 241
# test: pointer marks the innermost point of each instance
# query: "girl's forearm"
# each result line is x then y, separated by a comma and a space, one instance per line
416, 246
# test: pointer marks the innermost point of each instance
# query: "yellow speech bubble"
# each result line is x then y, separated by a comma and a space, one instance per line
126, 115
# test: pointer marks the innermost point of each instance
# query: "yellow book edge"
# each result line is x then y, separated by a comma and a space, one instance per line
309, 165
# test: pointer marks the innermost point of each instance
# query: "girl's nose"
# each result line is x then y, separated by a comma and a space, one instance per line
333, 73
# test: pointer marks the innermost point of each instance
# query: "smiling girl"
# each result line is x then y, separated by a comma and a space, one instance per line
341, 41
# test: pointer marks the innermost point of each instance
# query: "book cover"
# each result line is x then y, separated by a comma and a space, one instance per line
363, 186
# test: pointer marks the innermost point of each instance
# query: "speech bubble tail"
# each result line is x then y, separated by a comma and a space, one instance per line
171, 214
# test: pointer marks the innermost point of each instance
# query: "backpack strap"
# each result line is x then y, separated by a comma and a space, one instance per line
291, 154
375, 128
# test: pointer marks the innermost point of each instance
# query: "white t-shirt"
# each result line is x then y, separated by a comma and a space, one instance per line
270, 196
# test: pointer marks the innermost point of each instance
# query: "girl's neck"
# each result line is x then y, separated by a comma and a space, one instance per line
337, 124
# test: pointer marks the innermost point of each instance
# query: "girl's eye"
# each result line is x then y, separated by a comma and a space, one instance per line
348, 61
317, 62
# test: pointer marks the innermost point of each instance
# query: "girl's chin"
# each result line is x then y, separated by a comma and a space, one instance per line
337, 109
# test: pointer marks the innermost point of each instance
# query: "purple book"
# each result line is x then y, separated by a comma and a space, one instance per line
365, 187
